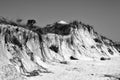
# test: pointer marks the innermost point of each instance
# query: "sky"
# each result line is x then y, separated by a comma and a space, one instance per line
103, 15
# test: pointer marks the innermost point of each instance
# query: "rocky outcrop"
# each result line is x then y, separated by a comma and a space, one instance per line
27, 47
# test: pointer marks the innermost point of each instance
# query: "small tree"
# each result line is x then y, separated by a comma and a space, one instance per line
31, 22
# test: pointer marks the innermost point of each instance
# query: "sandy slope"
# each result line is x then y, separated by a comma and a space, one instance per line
83, 70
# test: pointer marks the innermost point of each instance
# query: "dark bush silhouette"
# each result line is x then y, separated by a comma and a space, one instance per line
31, 22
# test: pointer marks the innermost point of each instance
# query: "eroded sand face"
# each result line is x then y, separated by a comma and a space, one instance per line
60, 51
